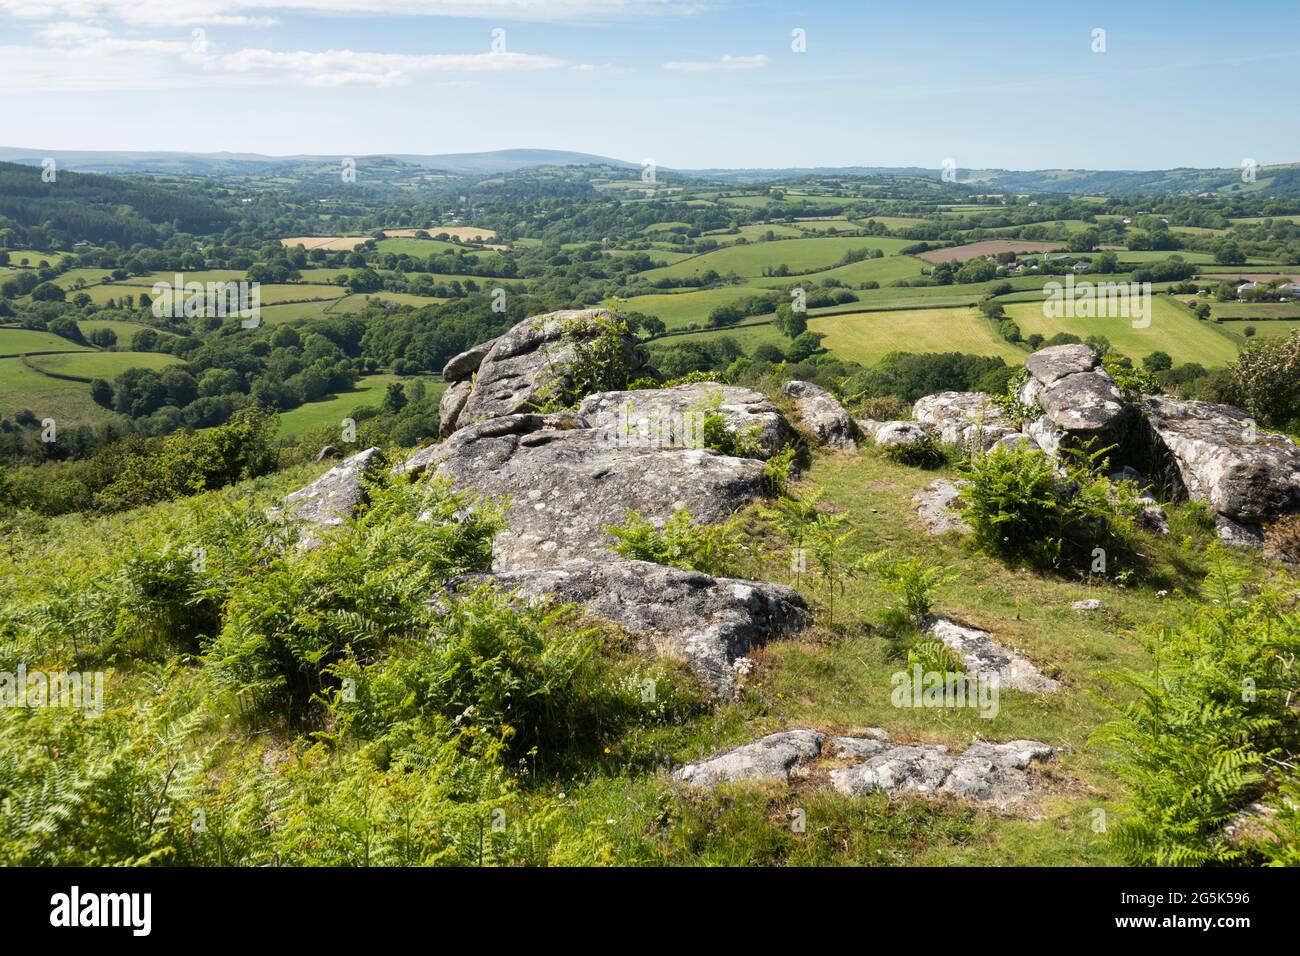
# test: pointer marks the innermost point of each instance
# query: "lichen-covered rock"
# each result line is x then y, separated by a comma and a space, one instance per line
970, 420
1213, 453
674, 417
706, 621
567, 483
451, 405
982, 655
331, 499
460, 368
901, 435
822, 413
996, 774
534, 362
936, 506
1078, 397
769, 758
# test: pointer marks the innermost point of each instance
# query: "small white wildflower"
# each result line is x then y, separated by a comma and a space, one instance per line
742, 666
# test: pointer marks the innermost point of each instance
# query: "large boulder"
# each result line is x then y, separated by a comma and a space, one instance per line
706, 621
1213, 453
970, 420
534, 364
567, 483
674, 417
331, 499
461, 368
1079, 399
822, 414
451, 405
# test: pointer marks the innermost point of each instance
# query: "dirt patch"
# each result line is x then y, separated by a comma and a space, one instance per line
989, 247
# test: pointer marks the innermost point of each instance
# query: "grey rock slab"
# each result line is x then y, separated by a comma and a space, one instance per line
901, 434
970, 420
534, 362
706, 621
1213, 453
823, 414
451, 405
1077, 395
1087, 605
331, 499
567, 483
996, 774
770, 758
981, 654
668, 417
936, 508
461, 368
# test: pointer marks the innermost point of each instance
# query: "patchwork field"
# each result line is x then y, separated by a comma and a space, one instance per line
21, 341
328, 243
866, 337
330, 412
64, 401
1172, 329
107, 365
989, 247
798, 255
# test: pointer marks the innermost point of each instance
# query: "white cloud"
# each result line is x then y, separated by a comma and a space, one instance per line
350, 68
163, 13
726, 63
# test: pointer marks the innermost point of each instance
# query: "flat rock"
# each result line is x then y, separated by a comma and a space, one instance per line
674, 417
901, 434
533, 363
996, 774
970, 420
706, 621
1213, 453
1087, 605
769, 758
982, 655
567, 483
935, 506
331, 499
822, 413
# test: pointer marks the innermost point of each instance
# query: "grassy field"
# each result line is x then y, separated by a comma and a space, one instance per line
423, 248
65, 402
1255, 310
330, 412
32, 258
358, 301
19, 341
799, 255
123, 330
273, 294
105, 365
1172, 329
867, 336
884, 271
680, 309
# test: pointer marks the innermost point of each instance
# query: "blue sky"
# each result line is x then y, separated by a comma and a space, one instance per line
687, 83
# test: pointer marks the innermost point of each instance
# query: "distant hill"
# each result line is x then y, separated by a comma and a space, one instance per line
1281, 180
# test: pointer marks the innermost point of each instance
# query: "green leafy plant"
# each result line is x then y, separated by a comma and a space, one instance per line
912, 580
713, 549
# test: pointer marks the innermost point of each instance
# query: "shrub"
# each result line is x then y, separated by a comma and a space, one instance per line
712, 549
912, 580
1020, 507
925, 452
1196, 744
1267, 374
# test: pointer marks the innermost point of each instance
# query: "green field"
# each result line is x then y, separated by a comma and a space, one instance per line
33, 257
423, 248
20, 341
122, 329
65, 402
866, 337
886, 270
680, 309
107, 365
1172, 329
358, 301
330, 412
273, 294
1254, 310
292, 312
799, 255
